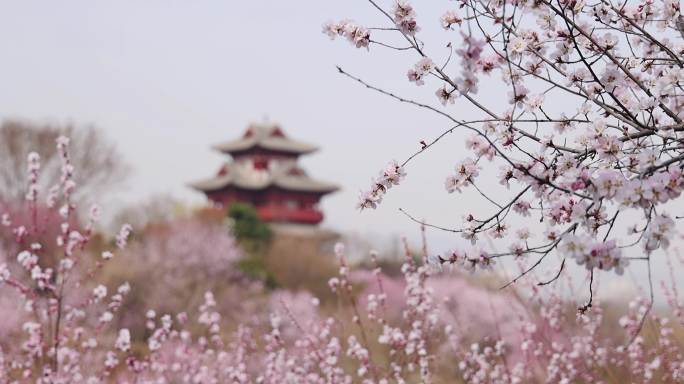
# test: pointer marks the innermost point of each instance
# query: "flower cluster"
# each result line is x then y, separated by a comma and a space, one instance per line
466, 172
355, 34
392, 175
604, 255
405, 17
420, 70
470, 260
450, 18
660, 231
471, 63
33, 171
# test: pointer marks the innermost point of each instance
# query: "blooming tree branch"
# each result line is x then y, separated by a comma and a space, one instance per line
591, 131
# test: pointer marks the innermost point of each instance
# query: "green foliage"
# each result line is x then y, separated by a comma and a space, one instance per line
247, 226
255, 267
254, 236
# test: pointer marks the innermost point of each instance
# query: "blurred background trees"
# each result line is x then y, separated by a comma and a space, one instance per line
99, 168
99, 164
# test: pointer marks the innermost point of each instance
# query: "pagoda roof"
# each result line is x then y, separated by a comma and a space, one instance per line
267, 136
291, 179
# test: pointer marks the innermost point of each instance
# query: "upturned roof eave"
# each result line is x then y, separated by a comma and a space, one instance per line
213, 185
235, 147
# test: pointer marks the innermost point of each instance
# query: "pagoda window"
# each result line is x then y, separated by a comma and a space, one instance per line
296, 171
223, 171
260, 163
291, 204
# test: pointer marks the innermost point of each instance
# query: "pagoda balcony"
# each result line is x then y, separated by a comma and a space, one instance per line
276, 213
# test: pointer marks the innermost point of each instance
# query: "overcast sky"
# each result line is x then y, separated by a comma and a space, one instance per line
166, 79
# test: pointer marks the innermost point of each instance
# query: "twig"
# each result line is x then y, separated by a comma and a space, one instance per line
583, 309
555, 277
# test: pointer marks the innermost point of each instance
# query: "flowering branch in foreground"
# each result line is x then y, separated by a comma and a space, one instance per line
590, 131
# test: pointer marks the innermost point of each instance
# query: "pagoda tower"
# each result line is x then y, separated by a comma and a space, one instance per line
264, 173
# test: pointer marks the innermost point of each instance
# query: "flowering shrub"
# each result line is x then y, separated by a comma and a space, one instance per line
589, 133
62, 313
181, 259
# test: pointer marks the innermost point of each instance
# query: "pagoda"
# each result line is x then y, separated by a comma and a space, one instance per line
264, 173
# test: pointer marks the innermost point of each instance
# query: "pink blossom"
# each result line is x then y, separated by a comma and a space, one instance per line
405, 17
355, 34
392, 175
450, 18
122, 237
466, 172
420, 70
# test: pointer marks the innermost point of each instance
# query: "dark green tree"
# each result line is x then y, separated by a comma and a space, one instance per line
254, 236
247, 226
